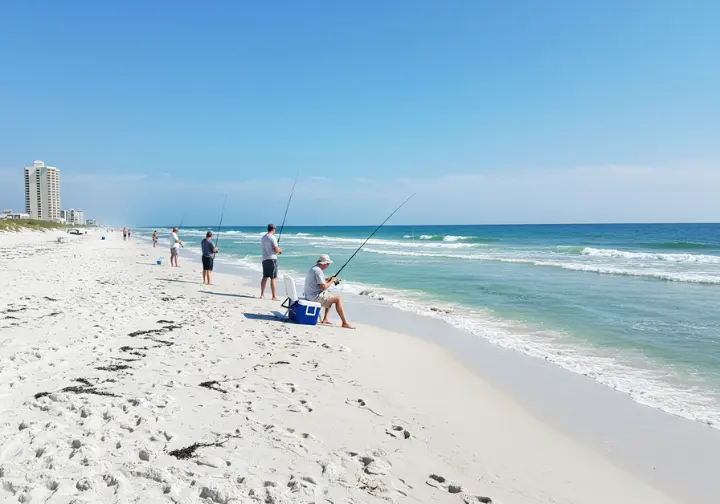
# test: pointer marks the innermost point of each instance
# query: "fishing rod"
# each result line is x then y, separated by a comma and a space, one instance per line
371, 235
179, 227
222, 214
292, 191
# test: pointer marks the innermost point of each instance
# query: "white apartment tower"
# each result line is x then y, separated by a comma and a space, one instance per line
42, 191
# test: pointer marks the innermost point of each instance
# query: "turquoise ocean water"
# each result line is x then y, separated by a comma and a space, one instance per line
635, 307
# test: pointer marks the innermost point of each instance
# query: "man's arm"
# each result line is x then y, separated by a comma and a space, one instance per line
325, 286
277, 248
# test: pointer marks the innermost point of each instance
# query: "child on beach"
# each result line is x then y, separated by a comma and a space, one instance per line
155, 239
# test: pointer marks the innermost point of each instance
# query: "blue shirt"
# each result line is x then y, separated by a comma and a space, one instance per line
208, 249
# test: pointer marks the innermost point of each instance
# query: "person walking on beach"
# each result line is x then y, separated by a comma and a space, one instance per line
155, 238
128, 234
208, 256
270, 252
317, 289
124, 234
174, 247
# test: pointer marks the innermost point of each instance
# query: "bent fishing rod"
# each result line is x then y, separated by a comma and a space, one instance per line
222, 214
292, 191
371, 235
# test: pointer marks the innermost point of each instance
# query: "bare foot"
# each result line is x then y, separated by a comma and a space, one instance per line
276, 299
262, 296
326, 322
348, 326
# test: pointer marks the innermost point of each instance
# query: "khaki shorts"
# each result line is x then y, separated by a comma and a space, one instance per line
325, 299
174, 251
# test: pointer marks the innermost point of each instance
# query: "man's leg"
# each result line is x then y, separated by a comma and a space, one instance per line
208, 275
204, 276
263, 284
273, 288
338, 302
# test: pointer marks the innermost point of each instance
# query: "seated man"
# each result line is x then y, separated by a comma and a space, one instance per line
317, 289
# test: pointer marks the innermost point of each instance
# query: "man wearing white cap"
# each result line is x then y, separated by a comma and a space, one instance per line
317, 289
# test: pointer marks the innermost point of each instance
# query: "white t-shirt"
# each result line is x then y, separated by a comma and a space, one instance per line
173, 240
268, 243
314, 279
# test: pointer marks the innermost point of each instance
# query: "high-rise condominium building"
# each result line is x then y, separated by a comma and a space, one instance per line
42, 191
73, 216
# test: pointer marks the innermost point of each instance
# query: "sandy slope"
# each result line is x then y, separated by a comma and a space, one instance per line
124, 381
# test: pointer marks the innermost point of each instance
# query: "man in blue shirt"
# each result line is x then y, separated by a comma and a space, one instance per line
208, 256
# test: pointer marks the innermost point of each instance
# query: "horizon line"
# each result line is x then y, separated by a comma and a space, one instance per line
442, 225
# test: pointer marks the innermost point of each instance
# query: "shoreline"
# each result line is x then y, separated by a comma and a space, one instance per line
287, 379
637, 437
673, 393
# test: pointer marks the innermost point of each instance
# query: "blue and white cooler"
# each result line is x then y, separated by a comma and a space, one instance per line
300, 311
305, 312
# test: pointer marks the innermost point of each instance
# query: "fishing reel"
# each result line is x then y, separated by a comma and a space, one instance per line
337, 281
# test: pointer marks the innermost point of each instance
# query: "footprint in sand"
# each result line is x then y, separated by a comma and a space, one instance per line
360, 403
437, 481
398, 431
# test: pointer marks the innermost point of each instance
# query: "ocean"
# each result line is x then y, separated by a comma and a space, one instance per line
634, 306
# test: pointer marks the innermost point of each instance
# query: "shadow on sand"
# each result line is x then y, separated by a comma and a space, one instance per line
277, 317
228, 295
180, 281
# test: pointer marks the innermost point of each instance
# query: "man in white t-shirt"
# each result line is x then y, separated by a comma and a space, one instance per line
174, 247
270, 252
317, 289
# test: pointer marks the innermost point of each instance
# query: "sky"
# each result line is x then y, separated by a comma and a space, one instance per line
493, 112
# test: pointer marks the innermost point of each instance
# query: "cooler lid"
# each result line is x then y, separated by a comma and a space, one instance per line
305, 302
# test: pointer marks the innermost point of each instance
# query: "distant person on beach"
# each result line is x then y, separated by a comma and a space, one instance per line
174, 247
208, 256
155, 239
128, 234
270, 251
317, 289
124, 234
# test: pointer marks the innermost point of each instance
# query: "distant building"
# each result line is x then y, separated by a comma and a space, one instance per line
72, 216
42, 191
13, 216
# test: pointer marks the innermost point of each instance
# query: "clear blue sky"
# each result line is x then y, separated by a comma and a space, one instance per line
520, 111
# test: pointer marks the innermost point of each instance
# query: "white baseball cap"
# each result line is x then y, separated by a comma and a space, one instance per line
324, 259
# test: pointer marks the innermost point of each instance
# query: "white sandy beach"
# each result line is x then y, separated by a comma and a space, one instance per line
125, 381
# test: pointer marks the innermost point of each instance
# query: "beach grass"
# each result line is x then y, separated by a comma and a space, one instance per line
16, 225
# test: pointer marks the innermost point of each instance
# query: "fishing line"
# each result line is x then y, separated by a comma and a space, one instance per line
222, 214
292, 191
372, 234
